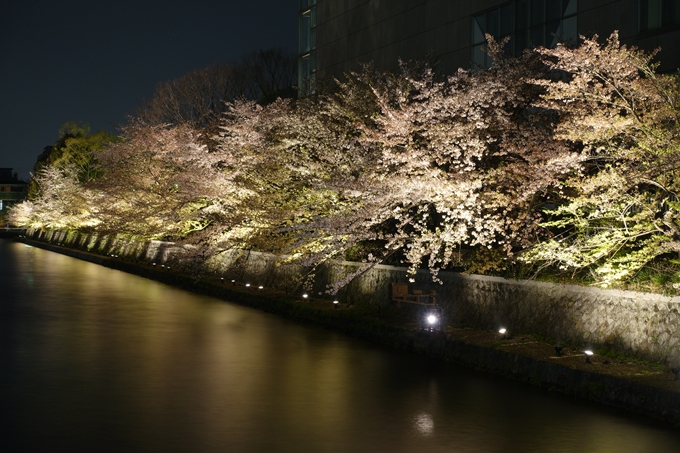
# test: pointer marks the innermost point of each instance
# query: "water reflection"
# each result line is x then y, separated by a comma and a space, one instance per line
98, 360
424, 424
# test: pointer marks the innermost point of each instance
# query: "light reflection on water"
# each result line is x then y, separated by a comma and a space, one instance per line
93, 359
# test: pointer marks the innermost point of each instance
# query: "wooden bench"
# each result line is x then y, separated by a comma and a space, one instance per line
400, 294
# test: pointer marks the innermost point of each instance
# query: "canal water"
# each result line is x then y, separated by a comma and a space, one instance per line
96, 360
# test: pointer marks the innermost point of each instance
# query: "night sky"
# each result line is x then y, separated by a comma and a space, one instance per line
95, 61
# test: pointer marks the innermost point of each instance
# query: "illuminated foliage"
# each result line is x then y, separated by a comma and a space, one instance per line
76, 149
621, 210
157, 183
417, 165
62, 202
563, 157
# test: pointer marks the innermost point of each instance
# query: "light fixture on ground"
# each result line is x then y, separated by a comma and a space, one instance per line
588, 355
248, 285
336, 303
431, 320
305, 296
260, 287
233, 283
504, 332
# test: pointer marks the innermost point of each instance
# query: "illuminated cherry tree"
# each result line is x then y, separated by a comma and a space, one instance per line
418, 165
63, 202
564, 157
621, 211
158, 183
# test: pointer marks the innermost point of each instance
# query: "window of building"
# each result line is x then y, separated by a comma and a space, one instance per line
528, 23
655, 14
307, 47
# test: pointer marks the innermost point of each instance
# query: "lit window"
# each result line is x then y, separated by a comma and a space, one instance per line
307, 47
655, 14
528, 23
307, 31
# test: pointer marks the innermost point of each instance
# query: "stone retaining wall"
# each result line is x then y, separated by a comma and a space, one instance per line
637, 324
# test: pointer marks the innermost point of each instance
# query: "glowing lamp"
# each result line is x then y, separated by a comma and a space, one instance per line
305, 295
588, 355
430, 321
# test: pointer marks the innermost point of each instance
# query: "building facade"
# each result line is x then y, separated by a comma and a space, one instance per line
12, 190
337, 35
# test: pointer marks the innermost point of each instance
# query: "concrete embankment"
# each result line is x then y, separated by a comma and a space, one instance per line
640, 325
644, 389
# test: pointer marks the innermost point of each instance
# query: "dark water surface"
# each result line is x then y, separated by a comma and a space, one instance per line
93, 359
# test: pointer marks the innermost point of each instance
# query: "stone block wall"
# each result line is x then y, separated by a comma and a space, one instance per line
638, 324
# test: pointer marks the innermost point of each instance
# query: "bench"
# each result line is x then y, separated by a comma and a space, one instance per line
400, 294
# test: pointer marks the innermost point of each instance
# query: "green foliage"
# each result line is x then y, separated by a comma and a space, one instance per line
620, 212
76, 148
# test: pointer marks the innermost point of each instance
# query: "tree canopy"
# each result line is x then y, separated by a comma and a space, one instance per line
565, 158
74, 152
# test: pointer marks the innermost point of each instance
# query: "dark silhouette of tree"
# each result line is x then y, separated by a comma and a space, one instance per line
198, 98
270, 74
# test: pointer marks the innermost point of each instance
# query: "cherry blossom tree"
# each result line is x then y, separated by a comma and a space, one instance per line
417, 165
61, 203
158, 183
621, 211
564, 157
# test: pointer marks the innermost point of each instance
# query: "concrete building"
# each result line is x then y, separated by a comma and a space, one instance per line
336, 35
12, 190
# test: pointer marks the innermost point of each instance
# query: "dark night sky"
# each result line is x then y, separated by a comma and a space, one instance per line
94, 61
